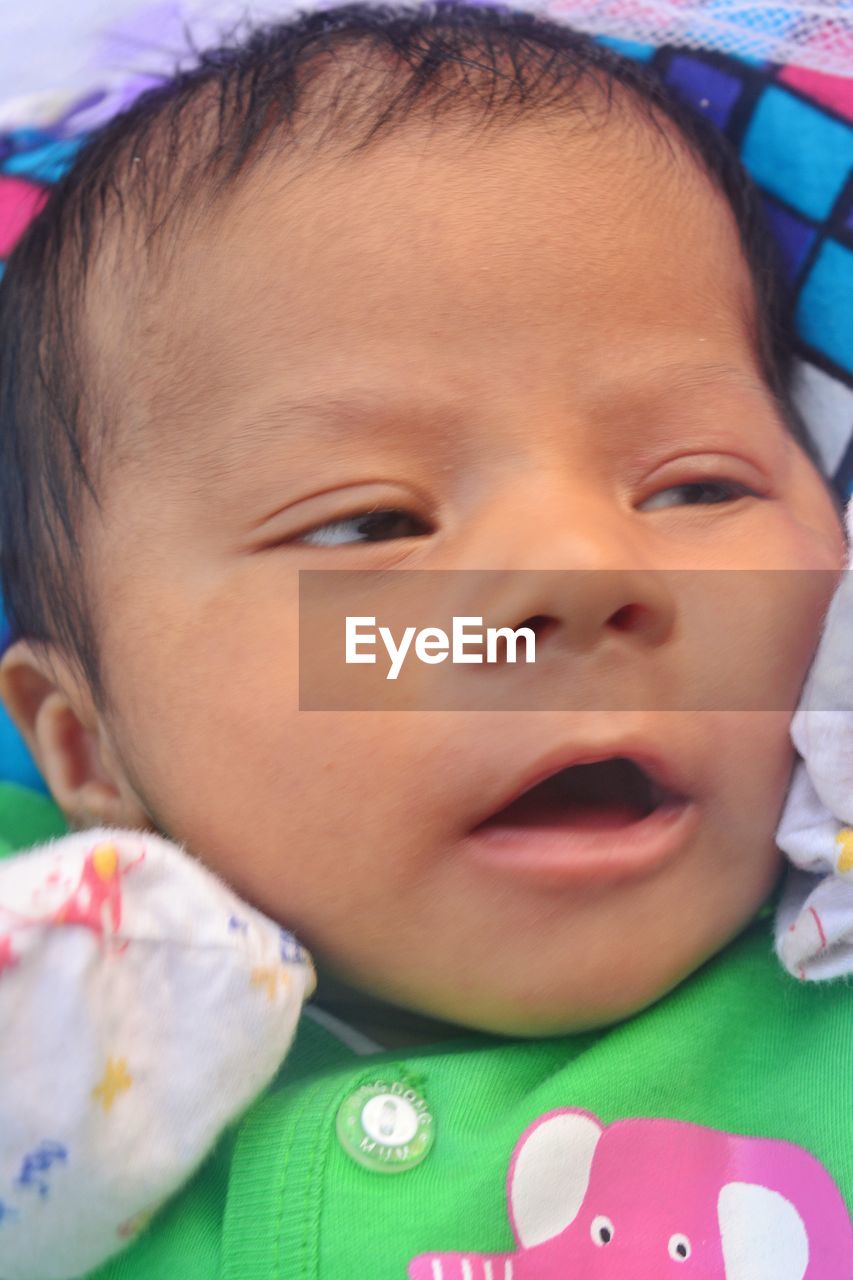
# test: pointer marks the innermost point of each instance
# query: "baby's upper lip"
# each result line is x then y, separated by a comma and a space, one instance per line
666, 772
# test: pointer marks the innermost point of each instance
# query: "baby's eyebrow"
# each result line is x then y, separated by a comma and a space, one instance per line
688, 376
329, 411
332, 412
330, 418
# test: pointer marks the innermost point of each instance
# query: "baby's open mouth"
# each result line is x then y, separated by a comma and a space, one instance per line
603, 796
589, 823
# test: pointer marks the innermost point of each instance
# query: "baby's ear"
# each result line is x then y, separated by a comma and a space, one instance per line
55, 713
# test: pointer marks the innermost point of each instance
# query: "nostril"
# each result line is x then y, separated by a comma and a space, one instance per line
541, 625
628, 618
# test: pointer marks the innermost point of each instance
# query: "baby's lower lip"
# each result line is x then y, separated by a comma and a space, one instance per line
592, 846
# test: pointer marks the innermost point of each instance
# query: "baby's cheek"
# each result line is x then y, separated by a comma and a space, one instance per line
750, 772
808, 593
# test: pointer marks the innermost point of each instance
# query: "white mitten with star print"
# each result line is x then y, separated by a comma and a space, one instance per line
814, 926
143, 1006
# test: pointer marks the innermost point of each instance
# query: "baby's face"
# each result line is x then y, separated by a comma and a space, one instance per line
536, 346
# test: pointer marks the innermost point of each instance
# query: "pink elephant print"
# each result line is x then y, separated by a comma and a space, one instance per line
650, 1199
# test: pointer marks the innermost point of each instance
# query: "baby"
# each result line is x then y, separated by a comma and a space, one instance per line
453, 289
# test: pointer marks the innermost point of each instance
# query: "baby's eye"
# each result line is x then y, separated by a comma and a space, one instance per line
699, 493
367, 526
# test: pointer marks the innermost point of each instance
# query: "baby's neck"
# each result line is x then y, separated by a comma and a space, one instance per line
387, 1025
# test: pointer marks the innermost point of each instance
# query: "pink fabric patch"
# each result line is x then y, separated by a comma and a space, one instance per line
20, 201
835, 92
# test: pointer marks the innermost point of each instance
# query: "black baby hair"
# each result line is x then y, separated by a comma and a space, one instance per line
182, 145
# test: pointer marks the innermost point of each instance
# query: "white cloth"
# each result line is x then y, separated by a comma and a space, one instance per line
143, 1006
814, 926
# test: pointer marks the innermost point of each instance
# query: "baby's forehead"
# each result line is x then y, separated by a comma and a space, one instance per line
303, 271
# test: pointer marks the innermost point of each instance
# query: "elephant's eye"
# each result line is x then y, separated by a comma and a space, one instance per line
601, 1230
679, 1248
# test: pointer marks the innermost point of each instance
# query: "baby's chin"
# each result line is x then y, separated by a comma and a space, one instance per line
551, 1011
557, 983
554, 1019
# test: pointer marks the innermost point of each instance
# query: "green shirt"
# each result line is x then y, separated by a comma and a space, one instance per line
740, 1049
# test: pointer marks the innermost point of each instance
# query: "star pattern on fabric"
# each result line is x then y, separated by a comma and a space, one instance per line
116, 1079
844, 840
269, 977
132, 1226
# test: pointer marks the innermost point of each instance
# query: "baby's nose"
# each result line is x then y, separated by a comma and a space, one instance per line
543, 520
562, 557
574, 609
